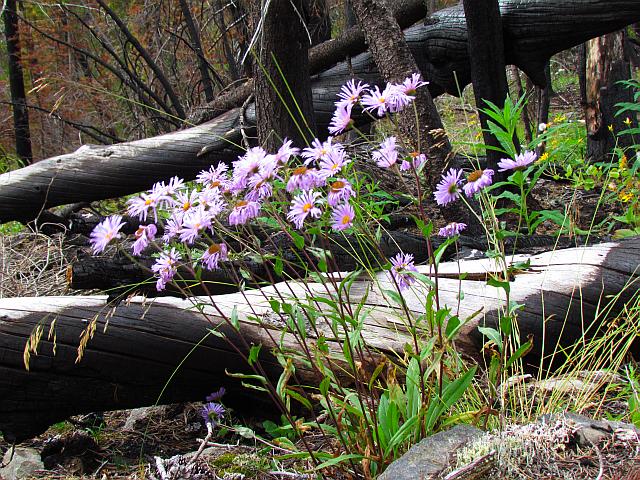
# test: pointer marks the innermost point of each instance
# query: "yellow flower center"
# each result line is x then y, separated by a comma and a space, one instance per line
148, 202
306, 207
186, 206
215, 184
382, 100
241, 203
300, 171
213, 249
346, 219
474, 176
337, 186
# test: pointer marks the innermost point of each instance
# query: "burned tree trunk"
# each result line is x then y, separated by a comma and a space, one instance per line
486, 53
16, 83
603, 65
135, 348
282, 87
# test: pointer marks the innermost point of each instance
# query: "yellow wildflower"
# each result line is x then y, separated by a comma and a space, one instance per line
623, 163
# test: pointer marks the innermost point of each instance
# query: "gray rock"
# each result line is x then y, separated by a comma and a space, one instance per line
23, 465
590, 431
428, 458
139, 417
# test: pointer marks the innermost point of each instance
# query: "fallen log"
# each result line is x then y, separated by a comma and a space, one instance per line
143, 350
533, 31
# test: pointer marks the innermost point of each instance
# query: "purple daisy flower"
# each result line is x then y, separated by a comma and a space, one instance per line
350, 93
105, 231
452, 229
342, 217
448, 190
341, 119
212, 413
411, 84
319, 150
400, 265
211, 199
243, 211
302, 206
144, 235
340, 191
140, 206
521, 161
166, 267
387, 155
217, 252
193, 223
215, 177
173, 225
477, 180
217, 395
305, 179
416, 160
286, 151
331, 165
377, 100
185, 200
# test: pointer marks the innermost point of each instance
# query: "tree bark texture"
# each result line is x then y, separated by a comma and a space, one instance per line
604, 66
282, 87
136, 347
16, 83
486, 55
422, 128
532, 32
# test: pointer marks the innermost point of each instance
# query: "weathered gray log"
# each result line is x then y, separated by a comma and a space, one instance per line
129, 362
533, 31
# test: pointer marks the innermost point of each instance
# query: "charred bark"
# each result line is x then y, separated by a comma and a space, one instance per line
282, 87
486, 55
16, 83
604, 65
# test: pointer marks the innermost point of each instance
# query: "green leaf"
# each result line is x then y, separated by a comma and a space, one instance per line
298, 240
234, 318
494, 282
506, 324
293, 394
493, 335
246, 376
453, 326
519, 353
254, 351
339, 459
450, 395
395, 296
278, 267
275, 305
324, 386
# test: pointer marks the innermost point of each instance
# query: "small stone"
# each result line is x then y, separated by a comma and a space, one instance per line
24, 464
139, 417
428, 458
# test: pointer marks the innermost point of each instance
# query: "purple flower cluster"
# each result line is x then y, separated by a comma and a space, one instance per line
213, 411
190, 215
401, 265
452, 229
448, 190
392, 99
